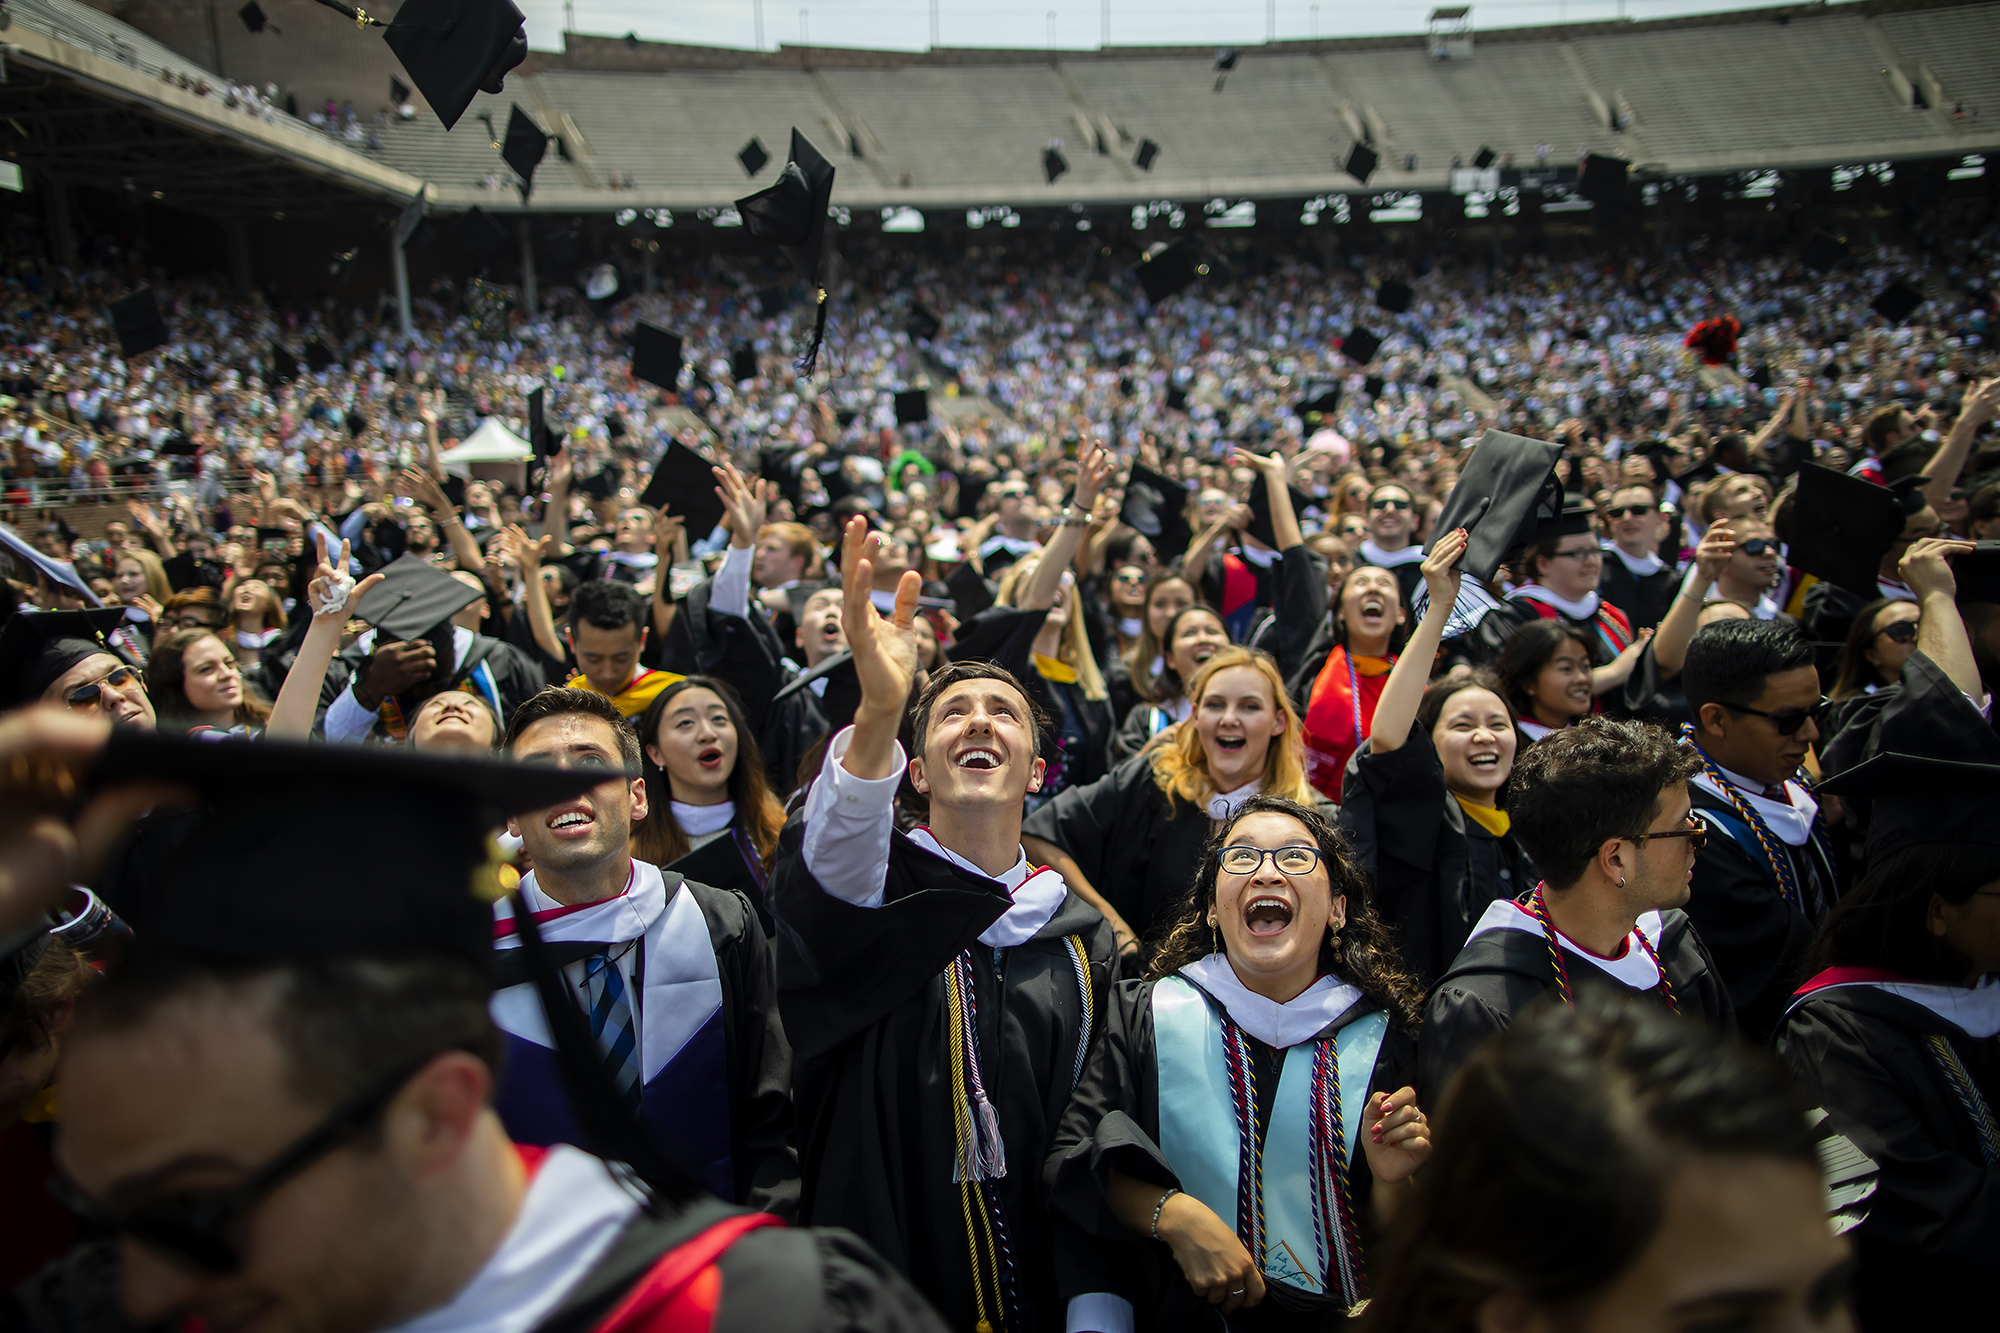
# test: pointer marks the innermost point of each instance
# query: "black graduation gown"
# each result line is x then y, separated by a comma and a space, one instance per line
864, 1002
1826, 615
1142, 722
1500, 973
1303, 631
1644, 600
1757, 939
1005, 636
1433, 870
514, 675
1137, 849
730, 862
1113, 1123
1926, 1250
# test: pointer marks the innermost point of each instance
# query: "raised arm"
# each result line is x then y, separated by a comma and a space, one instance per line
669, 537
527, 553
424, 489
1277, 485
330, 596
1396, 710
1677, 627
1980, 406
885, 653
433, 453
1093, 469
555, 517
1941, 632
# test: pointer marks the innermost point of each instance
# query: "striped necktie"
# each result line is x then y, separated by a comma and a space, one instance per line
611, 1025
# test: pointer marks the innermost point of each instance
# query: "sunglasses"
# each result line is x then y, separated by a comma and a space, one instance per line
1587, 553
1389, 504
1903, 631
1696, 832
1289, 860
88, 696
1136, 578
195, 1228
1630, 511
1756, 546
1788, 724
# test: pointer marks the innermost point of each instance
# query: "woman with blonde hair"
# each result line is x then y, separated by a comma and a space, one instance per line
1130, 843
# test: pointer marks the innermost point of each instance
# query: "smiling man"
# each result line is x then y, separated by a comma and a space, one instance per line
940, 993
1603, 810
701, 1058
63, 657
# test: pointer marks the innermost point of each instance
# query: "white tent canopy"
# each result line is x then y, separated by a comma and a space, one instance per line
492, 442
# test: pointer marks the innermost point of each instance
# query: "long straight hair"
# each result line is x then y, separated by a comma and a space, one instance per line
659, 838
1180, 767
1075, 648
1155, 689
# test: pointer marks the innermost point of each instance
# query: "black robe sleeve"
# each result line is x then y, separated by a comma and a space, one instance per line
1303, 629
760, 1059
514, 672
1133, 732
1458, 1020
1136, 850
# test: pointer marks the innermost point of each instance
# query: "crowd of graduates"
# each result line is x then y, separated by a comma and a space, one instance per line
1204, 848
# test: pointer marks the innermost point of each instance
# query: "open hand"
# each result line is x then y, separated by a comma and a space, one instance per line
885, 651
1093, 468
423, 488
1717, 549
1926, 566
1441, 575
744, 504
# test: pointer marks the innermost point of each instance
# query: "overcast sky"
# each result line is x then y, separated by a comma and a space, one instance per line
906, 24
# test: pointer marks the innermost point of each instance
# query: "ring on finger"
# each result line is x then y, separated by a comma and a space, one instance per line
1237, 1292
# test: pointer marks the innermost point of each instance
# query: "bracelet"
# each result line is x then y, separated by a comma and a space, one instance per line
1156, 1210
1072, 519
450, 519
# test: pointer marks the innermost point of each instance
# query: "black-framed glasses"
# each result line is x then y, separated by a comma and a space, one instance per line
1631, 511
1899, 631
1756, 546
1788, 724
195, 1227
1695, 831
1241, 860
1389, 504
88, 696
1585, 553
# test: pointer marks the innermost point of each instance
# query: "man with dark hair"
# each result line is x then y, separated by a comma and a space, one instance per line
1634, 578
1603, 809
701, 1057
1766, 878
607, 633
940, 993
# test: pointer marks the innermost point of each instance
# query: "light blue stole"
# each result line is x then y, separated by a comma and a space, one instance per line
1201, 1139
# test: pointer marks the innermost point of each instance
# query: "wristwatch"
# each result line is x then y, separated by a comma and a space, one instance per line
1072, 519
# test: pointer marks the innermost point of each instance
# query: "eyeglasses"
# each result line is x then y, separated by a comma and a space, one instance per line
1695, 831
88, 696
1135, 577
1902, 631
1631, 511
1389, 504
1788, 724
1756, 546
194, 1227
1587, 553
1288, 860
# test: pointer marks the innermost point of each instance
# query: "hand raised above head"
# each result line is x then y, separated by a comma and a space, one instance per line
1926, 566
885, 651
1441, 575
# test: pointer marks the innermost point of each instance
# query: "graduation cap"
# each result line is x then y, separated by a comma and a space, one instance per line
684, 482
1601, 179
1842, 526
1260, 510
913, 407
1054, 164
1394, 296
843, 688
455, 48
753, 157
1361, 160
37, 647
1895, 303
1171, 270
614, 425
971, 591
475, 235
743, 363
1156, 508
1484, 158
1176, 396
356, 423
413, 598
1360, 346
791, 215
1373, 386
1760, 375
1822, 250
1977, 573
284, 366
1147, 154
543, 440
1225, 60
1432, 380
922, 325
318, 356
253, 16
656, 356
399, 92
771, 302
524, 147
1507, 497
136, 319
411, 217
1322, 399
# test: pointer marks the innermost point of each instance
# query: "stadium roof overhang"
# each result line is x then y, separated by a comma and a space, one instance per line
78, 117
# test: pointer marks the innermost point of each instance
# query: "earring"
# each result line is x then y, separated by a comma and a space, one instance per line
1214, 936
1621, 881
1333, 936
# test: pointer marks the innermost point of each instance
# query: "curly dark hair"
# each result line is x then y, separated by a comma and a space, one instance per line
1364, 953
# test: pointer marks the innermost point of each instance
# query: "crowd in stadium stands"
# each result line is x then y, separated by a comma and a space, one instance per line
1068, 788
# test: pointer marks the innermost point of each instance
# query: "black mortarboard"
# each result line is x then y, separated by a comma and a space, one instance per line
1054, 164
1171, 270
1432, 380
656, 356
1601, 179
136, 319
1484, 158
743, 363
1156, 508
1360, 346
1176, 396
1841, 528
1321, 398
524, 147
791, 215
1760, 375
1822, 250
1360, 162
1260, 510
253, 16
37, 647
1977, 573
922, 325
413, 598
1225, 59
318, 356
1895, 303
614, 425
284, 366
1147, 154
411, 883
1576, 517
475, 235
913, 407
1507, 494
357, 421
541, 439
683, 483
971, 591
771, 302
1373, 386
1394, 296
455, 48
399, 92
753, 157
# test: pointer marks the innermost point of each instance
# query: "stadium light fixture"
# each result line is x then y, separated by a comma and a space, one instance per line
625, 217
902, 220
1404, 208
1971, 167
1222, 213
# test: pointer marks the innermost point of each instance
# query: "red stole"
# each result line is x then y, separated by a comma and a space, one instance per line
1339, 711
